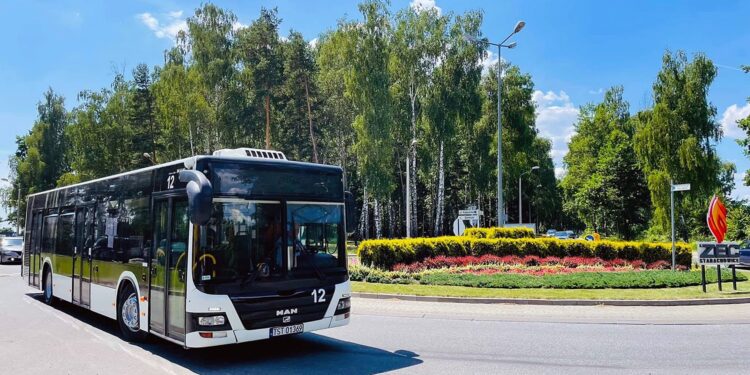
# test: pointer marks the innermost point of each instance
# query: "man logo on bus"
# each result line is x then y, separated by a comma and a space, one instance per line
286, 312
717, 219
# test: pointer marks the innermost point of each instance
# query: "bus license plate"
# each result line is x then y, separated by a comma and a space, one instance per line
288, 330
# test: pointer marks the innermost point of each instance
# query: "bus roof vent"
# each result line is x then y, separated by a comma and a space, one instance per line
251, 153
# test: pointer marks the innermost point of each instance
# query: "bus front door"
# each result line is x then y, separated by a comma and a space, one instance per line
169, 257
84, 236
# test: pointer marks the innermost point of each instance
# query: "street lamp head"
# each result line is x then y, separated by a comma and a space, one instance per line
519, 27
534, 167
511, 46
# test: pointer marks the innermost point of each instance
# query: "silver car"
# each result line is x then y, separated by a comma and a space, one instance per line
11, 249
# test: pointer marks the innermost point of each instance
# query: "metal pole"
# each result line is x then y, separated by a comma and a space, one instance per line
18, 212
408, 193
500, 212
671, 202
520, 215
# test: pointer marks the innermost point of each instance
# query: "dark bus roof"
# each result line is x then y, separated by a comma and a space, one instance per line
298, 165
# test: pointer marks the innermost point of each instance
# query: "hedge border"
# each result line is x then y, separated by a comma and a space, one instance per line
386, 253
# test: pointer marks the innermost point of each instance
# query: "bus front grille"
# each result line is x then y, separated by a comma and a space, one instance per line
279, 310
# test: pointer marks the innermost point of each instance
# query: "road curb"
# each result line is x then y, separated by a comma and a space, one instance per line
556, 302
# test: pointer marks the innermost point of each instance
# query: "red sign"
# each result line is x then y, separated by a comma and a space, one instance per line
717, 219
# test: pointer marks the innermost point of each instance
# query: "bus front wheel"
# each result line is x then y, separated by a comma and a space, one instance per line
128, 314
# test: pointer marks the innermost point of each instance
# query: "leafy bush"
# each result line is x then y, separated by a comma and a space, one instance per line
588, 280
497, 232
387, 253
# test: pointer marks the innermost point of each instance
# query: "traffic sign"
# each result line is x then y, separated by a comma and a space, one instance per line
681, 187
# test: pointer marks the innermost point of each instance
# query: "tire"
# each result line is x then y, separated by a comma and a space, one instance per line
47, 296
128, 315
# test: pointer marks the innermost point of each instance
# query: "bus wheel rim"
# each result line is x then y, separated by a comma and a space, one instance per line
130, 312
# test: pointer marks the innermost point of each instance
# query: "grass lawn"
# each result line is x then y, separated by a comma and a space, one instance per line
691, 292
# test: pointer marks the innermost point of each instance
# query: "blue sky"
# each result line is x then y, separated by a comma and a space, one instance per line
573, 49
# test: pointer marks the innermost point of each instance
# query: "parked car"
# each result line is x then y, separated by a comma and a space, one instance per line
565, 235
551, 232
11, 249
745, 256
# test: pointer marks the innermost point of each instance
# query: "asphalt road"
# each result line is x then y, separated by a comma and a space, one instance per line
398, 336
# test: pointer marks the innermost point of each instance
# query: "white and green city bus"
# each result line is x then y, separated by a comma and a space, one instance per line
238, 246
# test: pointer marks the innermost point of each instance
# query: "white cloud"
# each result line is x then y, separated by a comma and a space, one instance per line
313, 43
489, 62
238, 25
556, 116
740, 190
168, 27
419, 5
560, 172
596, 92
729, 120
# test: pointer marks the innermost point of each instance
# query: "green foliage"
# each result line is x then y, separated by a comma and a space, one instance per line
582, 280
497, 232
387, 253
604, 186
674, 141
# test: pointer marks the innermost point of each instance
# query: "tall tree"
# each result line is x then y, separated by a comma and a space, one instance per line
675, 139
452, 100
297, 99
604, 186
209, 41
141, 117
40, 158
367, 85
259, 52
416, 43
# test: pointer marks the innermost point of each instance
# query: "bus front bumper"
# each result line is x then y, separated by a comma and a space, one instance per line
215, 338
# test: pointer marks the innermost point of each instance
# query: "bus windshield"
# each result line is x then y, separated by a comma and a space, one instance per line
244, 241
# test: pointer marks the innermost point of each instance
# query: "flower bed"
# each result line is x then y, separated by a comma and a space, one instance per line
530, 264
385, 254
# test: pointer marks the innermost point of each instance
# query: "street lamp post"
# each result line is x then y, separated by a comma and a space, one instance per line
520, 206
519, 27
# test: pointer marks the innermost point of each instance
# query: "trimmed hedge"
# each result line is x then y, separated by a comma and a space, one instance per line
497, 232
387, 253
585, 280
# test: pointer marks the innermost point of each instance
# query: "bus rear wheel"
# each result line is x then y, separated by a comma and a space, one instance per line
47, 296
128, 315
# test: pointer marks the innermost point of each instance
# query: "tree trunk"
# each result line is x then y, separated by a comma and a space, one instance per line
268, 121
440, 192
413, 167
364, 220
309, 119
377, 218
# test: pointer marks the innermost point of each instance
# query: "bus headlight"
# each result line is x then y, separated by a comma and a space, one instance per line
344, 304
217, 320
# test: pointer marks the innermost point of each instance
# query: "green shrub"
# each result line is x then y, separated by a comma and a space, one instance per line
582, 280
387, 253
496, 232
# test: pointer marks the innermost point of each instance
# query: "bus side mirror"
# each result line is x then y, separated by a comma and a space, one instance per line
200, 195
351, 215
